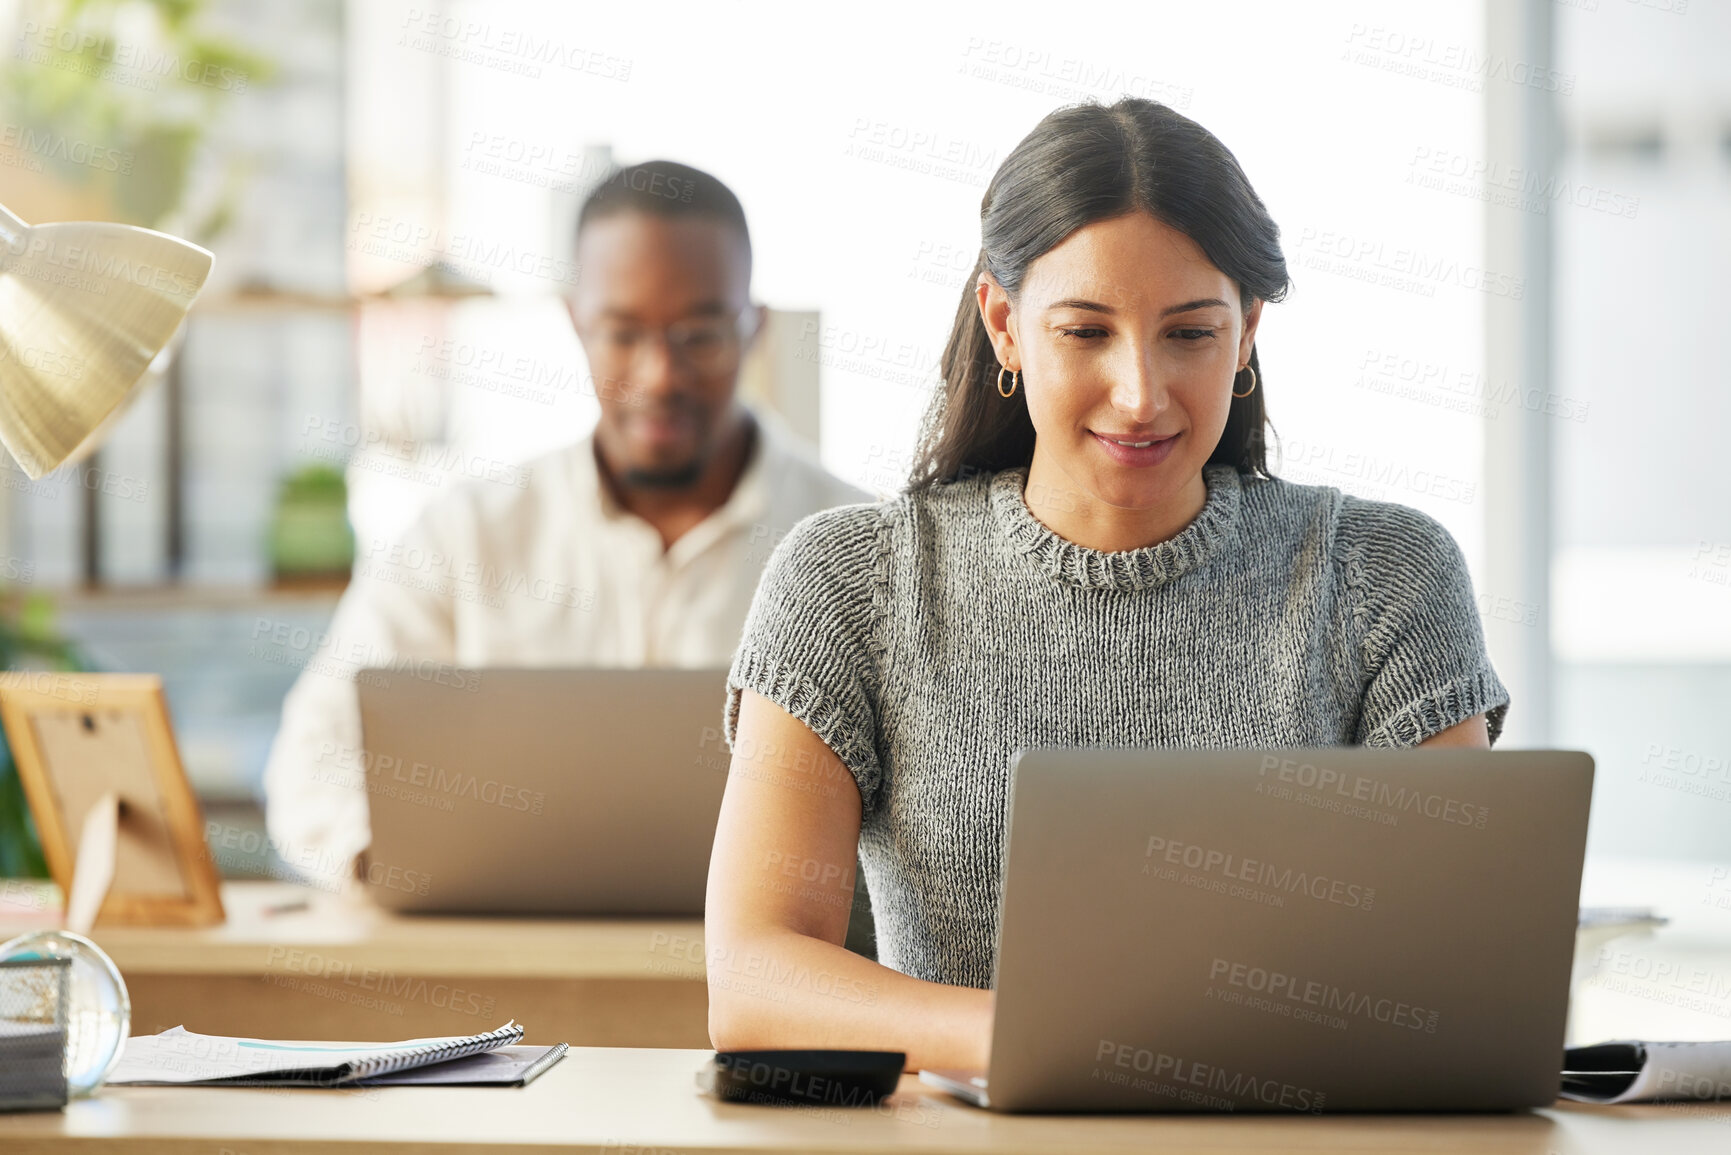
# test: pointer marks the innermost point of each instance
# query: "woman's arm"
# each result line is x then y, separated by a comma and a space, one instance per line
780, 891
1471, 733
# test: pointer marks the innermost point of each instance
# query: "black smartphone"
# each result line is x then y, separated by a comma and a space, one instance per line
811, 1078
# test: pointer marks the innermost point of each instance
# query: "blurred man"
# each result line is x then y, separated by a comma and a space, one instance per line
639, 546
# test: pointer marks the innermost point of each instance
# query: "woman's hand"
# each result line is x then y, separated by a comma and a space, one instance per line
780, 891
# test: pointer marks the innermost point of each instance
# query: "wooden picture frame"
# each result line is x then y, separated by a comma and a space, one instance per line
76, 737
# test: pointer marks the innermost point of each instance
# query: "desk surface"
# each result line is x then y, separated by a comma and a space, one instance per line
644, 1101
637, 1102
261, 937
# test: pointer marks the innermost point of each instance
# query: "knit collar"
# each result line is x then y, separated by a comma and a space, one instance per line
1131, 569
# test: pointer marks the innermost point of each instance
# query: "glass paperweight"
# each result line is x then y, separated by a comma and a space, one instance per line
99, 1013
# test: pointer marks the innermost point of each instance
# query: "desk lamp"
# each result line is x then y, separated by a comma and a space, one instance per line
84, 309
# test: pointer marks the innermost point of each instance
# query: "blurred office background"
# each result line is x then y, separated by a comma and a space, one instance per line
1506, 223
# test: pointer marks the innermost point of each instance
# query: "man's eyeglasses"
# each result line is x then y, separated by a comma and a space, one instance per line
705, 344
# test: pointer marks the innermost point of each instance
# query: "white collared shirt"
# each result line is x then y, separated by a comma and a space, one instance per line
551, 572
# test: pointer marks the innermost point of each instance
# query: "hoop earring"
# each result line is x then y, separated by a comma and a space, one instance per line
1015, 380
1252, 388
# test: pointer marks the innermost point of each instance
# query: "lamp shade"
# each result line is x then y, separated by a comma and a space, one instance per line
84, 308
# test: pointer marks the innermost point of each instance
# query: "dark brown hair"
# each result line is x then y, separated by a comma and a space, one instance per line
1081, 164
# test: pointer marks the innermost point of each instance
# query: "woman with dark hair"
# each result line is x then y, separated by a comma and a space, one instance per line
1091, 552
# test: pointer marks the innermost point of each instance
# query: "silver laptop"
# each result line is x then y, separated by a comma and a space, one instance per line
544, 791
1301, 930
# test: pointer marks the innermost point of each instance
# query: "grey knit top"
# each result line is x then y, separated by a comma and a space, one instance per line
928, 637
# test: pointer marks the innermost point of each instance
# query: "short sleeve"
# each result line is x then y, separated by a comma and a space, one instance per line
810, 638
1415, 623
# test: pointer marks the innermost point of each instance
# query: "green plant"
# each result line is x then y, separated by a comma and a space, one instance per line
29, 640
119, 94
310, 534
316, 482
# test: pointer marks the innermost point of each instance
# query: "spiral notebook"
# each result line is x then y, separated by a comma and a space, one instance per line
180, 1057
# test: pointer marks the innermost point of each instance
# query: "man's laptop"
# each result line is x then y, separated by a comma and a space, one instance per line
548, 791
1307, 930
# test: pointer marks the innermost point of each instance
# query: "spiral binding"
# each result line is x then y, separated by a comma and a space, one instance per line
423, 1056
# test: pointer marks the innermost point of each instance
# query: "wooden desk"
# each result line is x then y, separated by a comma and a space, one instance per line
643, 1102
343, 969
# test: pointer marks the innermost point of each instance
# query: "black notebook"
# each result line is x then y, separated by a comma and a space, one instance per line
1627, 1071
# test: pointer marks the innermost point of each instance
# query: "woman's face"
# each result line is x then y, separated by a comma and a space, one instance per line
1125, 334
